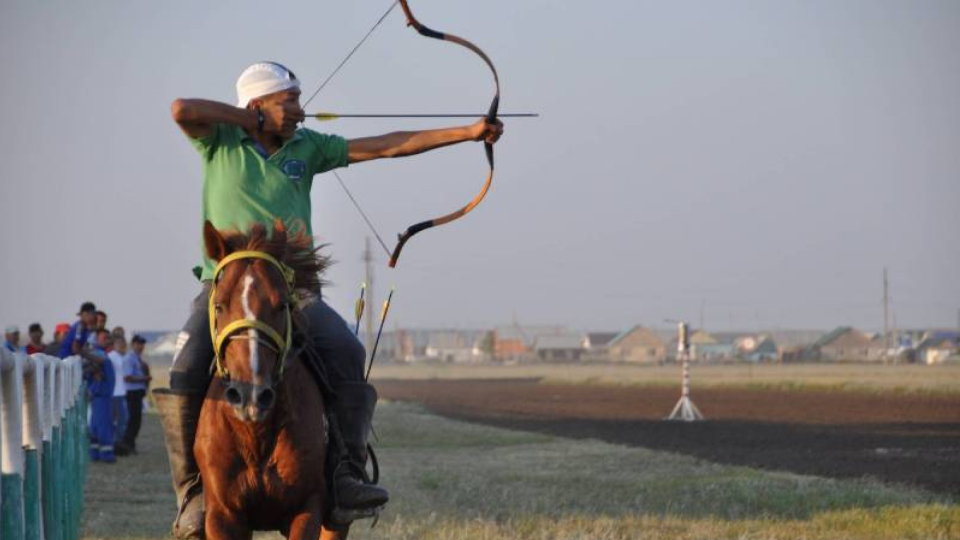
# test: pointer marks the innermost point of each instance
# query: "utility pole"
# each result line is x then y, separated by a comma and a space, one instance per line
368, 262
886, 311
703, 305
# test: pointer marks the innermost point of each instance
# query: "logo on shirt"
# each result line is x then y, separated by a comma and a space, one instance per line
295, 169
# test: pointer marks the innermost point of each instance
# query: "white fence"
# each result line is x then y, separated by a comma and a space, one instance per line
44, 453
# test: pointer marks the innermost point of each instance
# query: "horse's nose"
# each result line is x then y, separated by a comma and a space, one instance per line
234, 396
265, 398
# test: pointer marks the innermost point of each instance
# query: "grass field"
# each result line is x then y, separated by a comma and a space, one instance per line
843, 377
454, 480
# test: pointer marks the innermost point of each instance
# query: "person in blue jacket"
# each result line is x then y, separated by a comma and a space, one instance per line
79, 332
101, 379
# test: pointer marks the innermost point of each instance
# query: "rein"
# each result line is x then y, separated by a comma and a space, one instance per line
280, 344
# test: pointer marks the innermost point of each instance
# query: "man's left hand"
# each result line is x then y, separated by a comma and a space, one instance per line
487, 132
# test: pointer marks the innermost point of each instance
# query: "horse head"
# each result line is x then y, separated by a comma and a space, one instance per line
253, 309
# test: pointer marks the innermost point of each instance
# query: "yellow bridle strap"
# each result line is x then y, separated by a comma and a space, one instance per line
282, 344
285, 271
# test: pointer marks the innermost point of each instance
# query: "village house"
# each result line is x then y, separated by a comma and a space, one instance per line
760, 348
450, 346
938, 347
561, 348
848, 344
595, 345
706, 347
637, 345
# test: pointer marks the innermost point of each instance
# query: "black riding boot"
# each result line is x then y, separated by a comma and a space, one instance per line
354, 411
179, 414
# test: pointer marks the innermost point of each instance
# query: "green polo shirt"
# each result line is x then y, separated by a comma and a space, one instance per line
241, 188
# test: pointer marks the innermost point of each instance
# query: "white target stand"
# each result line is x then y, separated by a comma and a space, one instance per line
684, 410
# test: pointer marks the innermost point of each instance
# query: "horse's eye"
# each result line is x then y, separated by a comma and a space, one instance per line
218, 307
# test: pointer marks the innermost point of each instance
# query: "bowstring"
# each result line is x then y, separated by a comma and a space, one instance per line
333, 73
362, 213
350, 54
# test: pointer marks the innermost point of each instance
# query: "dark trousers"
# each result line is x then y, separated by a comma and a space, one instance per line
332, 338
135, 409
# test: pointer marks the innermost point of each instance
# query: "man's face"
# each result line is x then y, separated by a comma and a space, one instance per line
120, 345
137, 348
36, 336
101, 320
88, 318
12, 338
103, 338
288, 99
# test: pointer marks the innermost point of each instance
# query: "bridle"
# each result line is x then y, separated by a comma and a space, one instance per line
279, 344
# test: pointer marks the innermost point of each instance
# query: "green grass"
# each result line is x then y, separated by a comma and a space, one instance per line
455, 480
871, 378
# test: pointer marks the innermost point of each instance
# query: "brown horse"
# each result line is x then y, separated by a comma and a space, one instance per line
261, 439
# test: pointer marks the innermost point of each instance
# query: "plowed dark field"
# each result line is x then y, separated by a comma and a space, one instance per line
910, 439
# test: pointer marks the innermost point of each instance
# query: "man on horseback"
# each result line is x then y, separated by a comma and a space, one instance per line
259, 167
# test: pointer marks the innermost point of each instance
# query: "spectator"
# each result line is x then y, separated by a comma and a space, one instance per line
80, 332
118, 331
101, 320
11, 338
100, 379
137, 379
120, 414
36, 339
53, 348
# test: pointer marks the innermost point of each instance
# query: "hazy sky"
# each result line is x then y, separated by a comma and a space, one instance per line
763, 159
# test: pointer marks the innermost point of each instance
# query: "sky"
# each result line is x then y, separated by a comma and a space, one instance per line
754, 163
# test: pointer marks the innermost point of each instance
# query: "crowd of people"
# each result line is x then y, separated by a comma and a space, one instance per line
115, 373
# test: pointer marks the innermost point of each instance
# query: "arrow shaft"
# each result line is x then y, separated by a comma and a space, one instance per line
334, 116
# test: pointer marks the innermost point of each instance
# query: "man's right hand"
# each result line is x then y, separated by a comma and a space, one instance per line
281, 118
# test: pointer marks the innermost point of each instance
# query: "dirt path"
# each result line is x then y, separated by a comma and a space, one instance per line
912, 439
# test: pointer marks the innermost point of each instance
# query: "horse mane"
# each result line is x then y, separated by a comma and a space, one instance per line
295, 250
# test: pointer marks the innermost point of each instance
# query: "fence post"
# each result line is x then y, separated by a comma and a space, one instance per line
51, 430
11, 461
32, 437
75, 451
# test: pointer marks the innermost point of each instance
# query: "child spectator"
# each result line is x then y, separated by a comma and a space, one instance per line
36, 339
53, 348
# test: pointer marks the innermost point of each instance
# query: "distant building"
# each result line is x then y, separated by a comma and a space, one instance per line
760, 348
938, 347
563, 348
848, 344
449, 346
595, 345
637, 345
510, 344
706, 347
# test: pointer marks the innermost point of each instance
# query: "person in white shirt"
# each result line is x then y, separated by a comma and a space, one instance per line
120, 413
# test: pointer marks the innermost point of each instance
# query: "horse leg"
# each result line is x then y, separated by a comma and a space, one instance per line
220, 525
306, 524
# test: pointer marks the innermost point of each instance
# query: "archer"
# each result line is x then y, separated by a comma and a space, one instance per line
258, 167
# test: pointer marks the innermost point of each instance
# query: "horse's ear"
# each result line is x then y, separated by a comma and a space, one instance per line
280, 234
213, 242
279, 229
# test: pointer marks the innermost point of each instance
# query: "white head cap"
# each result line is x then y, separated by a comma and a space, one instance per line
264, 78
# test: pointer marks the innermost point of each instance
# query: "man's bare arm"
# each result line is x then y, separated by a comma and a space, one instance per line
196, 117
408, 143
